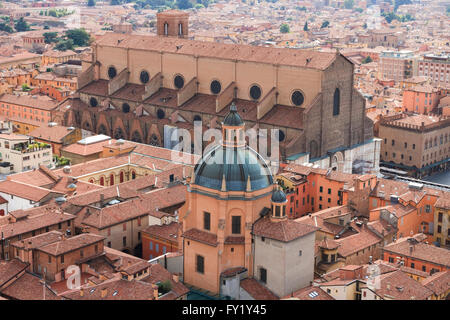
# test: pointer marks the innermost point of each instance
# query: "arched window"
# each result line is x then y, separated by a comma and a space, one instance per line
336, 102
112, 72
144, 77
102, 181
178, 81
215, 87
2, 212
133, 175
166, 28
160, 114
255, 92
91, 181
121, 177
180, 29
111, 180
93, 102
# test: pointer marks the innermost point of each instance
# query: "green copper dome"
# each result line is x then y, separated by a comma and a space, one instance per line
278, 196
233, 118
234, 165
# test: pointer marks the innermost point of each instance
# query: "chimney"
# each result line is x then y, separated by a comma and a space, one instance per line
175, 277
129, 262
81, 292
102, 200
104, 292
411, 248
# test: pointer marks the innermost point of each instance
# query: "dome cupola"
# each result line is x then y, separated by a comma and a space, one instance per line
279, 202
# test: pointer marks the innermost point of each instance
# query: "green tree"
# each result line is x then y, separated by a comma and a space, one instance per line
360, 10
348, 4
50, 37
64, 45
79, 37
6, 27
284, 28
21, 25
325, 24
184, 4
367, 60
305, 27
91, 3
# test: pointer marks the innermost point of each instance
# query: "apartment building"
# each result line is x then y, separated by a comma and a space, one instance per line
437, 68
397, 65
21, 153
419, 144
421, 99
35, 108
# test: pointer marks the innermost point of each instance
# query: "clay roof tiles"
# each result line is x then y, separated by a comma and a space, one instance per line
280, 56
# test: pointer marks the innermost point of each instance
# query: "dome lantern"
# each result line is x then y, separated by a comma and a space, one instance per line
233, 129
279, 202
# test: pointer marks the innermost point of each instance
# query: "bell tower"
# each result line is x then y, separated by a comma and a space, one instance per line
172, 23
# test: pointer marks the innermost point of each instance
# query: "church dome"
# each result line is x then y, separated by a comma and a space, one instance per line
235, 165
233, 118
278, 196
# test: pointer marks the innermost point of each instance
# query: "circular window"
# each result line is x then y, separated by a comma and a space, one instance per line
255, 92
197, 118
160, 113
125, 108
144, 76
297, 98
216, 87
93, 102
178, 82
112, 72
281, 135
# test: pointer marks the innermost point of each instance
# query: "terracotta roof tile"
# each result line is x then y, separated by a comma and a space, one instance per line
167, 232
257, 290
10, 269
280, 56
28, 101
439, 282
201, 236
70, 244
421, 251
309, 293
285, 230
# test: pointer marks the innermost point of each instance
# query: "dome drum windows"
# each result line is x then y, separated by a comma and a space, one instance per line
255, 92
178, 82
112, 72
215, 87
297, 98
144, 77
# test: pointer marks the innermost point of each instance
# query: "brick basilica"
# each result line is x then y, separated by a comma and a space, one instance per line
142, 87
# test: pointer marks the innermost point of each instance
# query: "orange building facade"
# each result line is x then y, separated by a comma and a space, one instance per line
421, 99
223, 201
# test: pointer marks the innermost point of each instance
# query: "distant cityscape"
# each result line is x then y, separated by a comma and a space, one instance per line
225, 150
